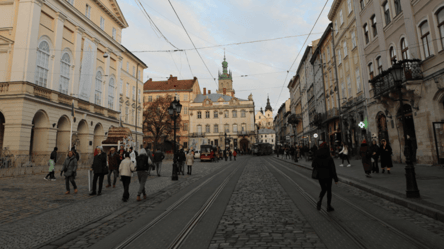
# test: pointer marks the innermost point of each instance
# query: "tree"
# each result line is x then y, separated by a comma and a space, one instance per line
157, 122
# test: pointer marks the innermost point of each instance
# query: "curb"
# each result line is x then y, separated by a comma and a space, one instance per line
422, 209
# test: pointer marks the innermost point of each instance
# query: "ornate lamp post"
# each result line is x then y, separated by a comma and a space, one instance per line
412, 191
174, 111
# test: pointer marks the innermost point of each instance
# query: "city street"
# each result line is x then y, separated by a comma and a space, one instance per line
254, 202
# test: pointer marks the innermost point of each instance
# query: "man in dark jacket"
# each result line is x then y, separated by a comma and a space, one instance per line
113, 162
181, 161
325, 166
99, 168
158, 157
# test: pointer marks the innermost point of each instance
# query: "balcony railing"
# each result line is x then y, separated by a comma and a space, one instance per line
197, 134
384, 82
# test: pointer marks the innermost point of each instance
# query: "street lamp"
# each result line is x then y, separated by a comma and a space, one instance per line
412, 188
174, 111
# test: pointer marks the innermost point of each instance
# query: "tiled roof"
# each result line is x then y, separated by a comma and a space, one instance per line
171, 84
213, 97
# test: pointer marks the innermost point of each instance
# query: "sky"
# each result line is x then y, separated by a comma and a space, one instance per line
258, 68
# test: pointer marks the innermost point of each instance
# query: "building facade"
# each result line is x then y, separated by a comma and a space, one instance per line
295, 108
184, 90
412, 33
221, 119
265, 120
57, 53
267, 136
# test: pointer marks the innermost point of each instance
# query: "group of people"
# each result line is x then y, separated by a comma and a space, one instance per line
370, 156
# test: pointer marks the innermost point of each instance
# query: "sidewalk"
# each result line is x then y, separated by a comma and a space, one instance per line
430, 180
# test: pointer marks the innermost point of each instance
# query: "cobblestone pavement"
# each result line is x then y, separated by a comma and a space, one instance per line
260, 214
35, 211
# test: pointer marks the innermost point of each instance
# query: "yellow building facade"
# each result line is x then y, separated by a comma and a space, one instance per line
56, 53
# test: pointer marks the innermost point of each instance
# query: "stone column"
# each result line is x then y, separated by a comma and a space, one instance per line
26, 39
54, 78
75, 83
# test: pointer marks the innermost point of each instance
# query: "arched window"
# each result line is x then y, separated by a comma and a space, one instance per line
440, 17
41, 74
404, 49
216, 128
199, 114
98, 93
425, 38
392, 55
64, 73
234, 114
111, 93
370, 70
379, 64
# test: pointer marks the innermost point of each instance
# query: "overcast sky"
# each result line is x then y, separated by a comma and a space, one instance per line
212, 22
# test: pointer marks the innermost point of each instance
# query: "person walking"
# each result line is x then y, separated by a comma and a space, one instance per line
325, 166
100, 169
374, 150
182, 159
113, 162
52, 162
70, 170
121, 153
225, 155
158, 157
142, 172
234, 155
190, 162
385, 151
133, 155
126, 167
366, 158
344, 155
230, 154
150, 160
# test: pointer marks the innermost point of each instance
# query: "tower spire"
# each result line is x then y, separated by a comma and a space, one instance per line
268, 107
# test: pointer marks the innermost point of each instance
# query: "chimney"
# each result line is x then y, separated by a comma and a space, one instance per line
209, 91
225, 91
205, 91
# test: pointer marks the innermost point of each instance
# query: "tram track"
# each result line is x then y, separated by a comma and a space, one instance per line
357, 240
181, 237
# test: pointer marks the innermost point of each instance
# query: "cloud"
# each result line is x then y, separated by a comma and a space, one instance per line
222, 22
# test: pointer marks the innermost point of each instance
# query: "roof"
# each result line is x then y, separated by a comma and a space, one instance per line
116, 134
135, 57
307, 50
171, 84
213, 97
319, 45
266, 131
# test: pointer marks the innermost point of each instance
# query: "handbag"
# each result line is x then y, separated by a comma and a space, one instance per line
149, 161
314, 173
105, 170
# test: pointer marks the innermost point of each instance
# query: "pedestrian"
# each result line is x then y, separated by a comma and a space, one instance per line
52, 162
234, 155
285, 153
374, 150
343, 154
121, 152
133, 155
70, 171
100, 169
113, 162
225, 155
190, 162
73, 149
126, 168
366, 158
142, 172
385, 151
326, 172
182, 159
150, 160
158, 157
230, 154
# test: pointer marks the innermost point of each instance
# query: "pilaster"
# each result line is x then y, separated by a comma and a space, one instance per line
26, 39
117, 89
74, 87
92, 96
105, 85
54, 78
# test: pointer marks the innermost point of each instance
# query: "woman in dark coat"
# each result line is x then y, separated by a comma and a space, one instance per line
374, 150
385, 151
100, 170
324, 164
366, 158
70, 170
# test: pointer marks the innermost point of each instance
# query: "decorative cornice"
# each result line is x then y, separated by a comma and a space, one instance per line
61, 16
39, 2
80, 30
333, 9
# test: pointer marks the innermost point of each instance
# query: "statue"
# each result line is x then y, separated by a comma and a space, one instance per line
250, 97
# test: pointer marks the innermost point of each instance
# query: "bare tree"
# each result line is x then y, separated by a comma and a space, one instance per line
157, 122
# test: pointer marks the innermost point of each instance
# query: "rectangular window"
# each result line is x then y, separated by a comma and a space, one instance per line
425, 38
353, 35
358, 80
185, 97
235, 128
234, 114
362, 4
349, 6
88, 11
379, 64
216, 128
387, 13
127, 90
207, 129
134, 71
150, 98
375, 30
207, 114
216, 114
121, 87
366, 33
398, 8
139, 95
102, 23
185, 127
341, 18
133, 117
336, 26
114, 33
343, 90
349, 86
227, 128
339, 57
185, 110
126, 114
134, 93
344, 46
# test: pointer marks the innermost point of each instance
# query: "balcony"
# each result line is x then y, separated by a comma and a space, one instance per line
384, 83
31, 89
197, 134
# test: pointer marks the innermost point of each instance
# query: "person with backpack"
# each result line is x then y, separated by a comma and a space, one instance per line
366, 158
324, 165
100, 170
158, 158
126, 168
142, 172
70, 171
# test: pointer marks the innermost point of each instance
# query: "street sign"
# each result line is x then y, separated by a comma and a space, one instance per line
361, 124
288, 137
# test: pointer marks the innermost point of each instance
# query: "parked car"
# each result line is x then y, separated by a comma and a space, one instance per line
196, 154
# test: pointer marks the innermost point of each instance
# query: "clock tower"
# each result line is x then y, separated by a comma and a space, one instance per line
225, 80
